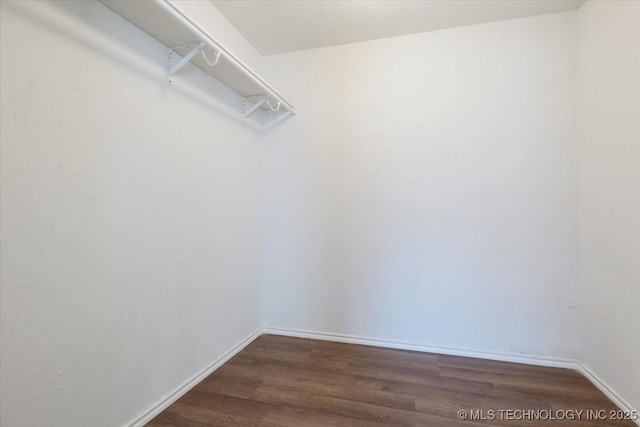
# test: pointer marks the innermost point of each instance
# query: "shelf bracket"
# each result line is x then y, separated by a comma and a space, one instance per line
188, 57
255, 106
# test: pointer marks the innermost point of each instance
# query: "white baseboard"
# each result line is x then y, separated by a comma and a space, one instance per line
608, 391
528, 359
180, 391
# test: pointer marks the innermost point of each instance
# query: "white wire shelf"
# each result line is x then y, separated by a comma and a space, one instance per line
167, 23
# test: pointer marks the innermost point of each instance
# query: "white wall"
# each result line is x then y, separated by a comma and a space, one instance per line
130, 219
609, 141
426, 191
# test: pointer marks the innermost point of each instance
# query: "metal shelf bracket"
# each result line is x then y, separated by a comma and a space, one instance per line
255, 106
172, 69
185, 59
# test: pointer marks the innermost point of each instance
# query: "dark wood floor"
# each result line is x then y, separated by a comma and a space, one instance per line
281, 381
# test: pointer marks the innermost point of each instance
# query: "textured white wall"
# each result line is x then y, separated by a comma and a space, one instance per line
609, 137
130, 219
426, 192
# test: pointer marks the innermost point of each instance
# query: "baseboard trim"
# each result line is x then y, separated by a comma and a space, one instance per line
184, 388
503, 357
607, 390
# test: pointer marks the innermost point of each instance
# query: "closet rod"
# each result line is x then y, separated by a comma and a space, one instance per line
213, 43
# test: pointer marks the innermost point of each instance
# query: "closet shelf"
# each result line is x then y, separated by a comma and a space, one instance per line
167, 23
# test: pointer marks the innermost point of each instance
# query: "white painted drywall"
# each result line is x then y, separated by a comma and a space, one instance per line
609, 201
426, 191
130, 219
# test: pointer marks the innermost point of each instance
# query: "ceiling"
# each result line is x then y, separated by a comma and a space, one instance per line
277, 26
